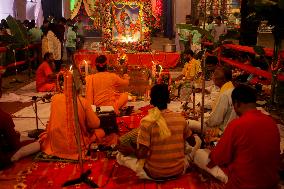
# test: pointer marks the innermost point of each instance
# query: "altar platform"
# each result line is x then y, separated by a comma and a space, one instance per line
143, 59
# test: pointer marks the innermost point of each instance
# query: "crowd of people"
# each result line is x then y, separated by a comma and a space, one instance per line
165, 144
192, 38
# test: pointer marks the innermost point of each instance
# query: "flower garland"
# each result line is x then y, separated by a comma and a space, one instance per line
158, 14
108, 23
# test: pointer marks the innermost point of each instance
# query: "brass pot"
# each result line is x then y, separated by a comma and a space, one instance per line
169, 48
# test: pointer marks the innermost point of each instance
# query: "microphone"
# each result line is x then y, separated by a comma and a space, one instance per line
44, 98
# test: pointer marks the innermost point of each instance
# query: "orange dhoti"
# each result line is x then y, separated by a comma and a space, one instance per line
59, 140
48, 87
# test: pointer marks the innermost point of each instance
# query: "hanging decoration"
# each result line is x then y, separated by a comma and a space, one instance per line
157, 13
89, 6
76, 8
126, 24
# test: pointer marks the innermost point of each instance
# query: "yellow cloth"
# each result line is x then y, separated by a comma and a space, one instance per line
192, 69
225, 87
155, 116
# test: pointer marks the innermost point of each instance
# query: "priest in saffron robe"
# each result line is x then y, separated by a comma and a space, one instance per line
45, 78
59, 139
102, 87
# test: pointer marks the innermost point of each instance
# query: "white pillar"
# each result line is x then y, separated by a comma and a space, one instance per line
181, 9
66, 8
6, 9
20, 9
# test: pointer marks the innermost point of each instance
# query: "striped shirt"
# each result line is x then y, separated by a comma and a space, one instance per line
166, 157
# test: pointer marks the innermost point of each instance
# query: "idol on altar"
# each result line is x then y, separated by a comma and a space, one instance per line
126, 24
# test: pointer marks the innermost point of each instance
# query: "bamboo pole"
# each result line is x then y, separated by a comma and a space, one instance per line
205, 7
193, 100
203, 92
77, 127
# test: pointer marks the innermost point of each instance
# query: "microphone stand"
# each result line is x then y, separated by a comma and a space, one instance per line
35, 133
84, 175
15, 80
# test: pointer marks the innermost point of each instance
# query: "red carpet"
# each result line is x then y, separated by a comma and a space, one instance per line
53, 175
106, 173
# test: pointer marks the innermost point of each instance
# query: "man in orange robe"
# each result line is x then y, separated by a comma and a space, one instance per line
60, 140
44, 74
102, 87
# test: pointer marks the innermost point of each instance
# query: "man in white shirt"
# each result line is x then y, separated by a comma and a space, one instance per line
71, 43
184, 35
209, 27
219, 29
222, 110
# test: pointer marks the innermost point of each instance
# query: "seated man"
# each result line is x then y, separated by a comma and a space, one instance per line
249, 150
160, 150
45, 78
11, 148
192, 69
102, 87
210, 66
222, 110
59, 139
190, 72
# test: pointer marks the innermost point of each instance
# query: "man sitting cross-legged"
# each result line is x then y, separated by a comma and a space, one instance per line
222, 110
59, 139
45, 77
249, 150
11, 146
160, 140
102, 87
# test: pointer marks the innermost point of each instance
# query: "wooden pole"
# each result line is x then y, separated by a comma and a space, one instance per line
203, 92
76, 119
193, 100
205, 7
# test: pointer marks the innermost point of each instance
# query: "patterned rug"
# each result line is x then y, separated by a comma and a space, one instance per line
106, 173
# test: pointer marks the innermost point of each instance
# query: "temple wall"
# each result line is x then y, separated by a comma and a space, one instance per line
6, 8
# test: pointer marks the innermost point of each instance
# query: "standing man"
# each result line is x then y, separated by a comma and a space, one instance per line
71, 43
219, 29
209, 27
45, 78
195, 38
80, 33
184, 35
249, 150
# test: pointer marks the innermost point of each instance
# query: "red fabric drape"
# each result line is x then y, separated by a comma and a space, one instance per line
167, 60
250, 69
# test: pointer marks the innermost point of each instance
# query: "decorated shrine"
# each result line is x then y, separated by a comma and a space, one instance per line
123, 24
125, 107
127, 24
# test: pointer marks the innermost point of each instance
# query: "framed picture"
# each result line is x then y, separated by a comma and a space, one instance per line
127, 23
